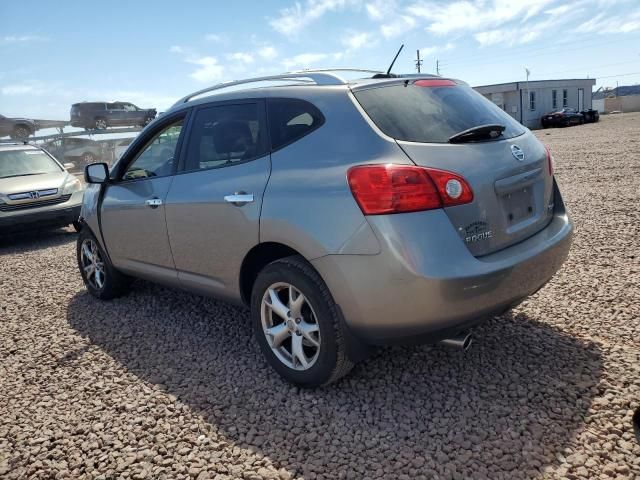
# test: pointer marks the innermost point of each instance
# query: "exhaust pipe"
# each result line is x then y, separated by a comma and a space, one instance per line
462, 341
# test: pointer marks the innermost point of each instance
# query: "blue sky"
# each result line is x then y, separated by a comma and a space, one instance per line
152, 53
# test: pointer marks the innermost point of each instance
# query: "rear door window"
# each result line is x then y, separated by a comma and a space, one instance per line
291, 119
432, 111
226, 134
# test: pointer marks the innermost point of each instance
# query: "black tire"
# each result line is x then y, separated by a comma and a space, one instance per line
100, 123
77, 226
88, 158
20, 132
332, 362
115, 284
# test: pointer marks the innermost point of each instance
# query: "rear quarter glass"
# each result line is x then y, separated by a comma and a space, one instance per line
431, 111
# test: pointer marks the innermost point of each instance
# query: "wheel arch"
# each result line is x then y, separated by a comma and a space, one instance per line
256, 259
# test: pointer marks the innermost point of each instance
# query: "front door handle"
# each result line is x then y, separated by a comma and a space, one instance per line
239, 198
154, 202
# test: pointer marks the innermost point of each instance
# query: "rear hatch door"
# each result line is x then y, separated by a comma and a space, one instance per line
508, 172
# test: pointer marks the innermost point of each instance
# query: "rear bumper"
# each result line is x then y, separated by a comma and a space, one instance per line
424, 284
54, 215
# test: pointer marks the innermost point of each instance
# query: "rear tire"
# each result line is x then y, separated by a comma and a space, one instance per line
302, 313
102, 280
88, 158
20, 132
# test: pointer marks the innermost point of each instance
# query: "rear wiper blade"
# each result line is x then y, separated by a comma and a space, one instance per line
488, 132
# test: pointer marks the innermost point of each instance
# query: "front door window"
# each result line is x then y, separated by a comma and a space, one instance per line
157, 157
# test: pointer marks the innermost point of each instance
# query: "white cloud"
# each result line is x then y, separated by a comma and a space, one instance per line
398, 26
357, 40
176, 49
380, 9
17, 89
602, 23
24, 88
293, 19
506, 37
212, 37
208, 70
304, 60
427, 51
21, 39
242, 57
474, 15
267, 52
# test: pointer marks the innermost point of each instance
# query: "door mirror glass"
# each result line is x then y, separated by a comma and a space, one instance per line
96, 173
157, 157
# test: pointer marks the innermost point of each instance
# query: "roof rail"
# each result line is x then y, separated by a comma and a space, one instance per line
306, 76
339, 69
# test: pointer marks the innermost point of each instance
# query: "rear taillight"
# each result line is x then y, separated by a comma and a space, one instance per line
550, 162
385, 189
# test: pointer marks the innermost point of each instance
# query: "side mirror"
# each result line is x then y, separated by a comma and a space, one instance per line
96, 173
69, 165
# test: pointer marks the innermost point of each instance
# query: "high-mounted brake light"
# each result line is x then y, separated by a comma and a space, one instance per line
436, 82
386, 189
550, 162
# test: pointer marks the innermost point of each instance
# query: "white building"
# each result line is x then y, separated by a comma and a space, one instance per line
528, 101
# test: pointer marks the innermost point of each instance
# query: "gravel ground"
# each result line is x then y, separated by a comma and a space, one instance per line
163, 384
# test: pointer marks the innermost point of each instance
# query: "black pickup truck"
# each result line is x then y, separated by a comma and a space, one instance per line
100, 115
17, 128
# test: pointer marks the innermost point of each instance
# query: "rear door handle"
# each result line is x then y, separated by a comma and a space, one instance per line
154, 202
239, 198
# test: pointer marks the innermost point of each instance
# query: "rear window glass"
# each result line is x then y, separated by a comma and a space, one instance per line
432, 114
291, 119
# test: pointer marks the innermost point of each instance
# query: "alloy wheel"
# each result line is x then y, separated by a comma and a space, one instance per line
290, 326
92, 264
101, 124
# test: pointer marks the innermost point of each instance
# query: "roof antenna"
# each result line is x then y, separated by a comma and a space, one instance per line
394, 59
389, 74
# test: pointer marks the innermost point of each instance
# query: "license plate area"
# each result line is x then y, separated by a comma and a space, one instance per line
518, 205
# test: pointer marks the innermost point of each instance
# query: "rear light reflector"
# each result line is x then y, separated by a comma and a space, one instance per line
550, 162
386, 189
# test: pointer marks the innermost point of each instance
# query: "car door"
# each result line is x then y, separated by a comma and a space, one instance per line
133, 208
116, 114
130, 115
213, 205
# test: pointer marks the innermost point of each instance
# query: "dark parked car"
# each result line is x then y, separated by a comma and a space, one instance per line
562, 118
100, 115
81, 151
16, 128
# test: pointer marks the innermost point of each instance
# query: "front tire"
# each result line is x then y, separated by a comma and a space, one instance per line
102, 280
297, 324
100, 124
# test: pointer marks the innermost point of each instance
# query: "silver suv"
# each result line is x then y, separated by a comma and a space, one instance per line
345, 214
36, 190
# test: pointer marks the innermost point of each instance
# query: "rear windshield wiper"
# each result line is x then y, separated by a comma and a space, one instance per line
481, 132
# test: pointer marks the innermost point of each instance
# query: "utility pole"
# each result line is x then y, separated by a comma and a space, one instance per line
437, 67
418, 61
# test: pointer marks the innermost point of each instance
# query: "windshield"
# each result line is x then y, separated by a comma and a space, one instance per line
16, 163
429, 114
